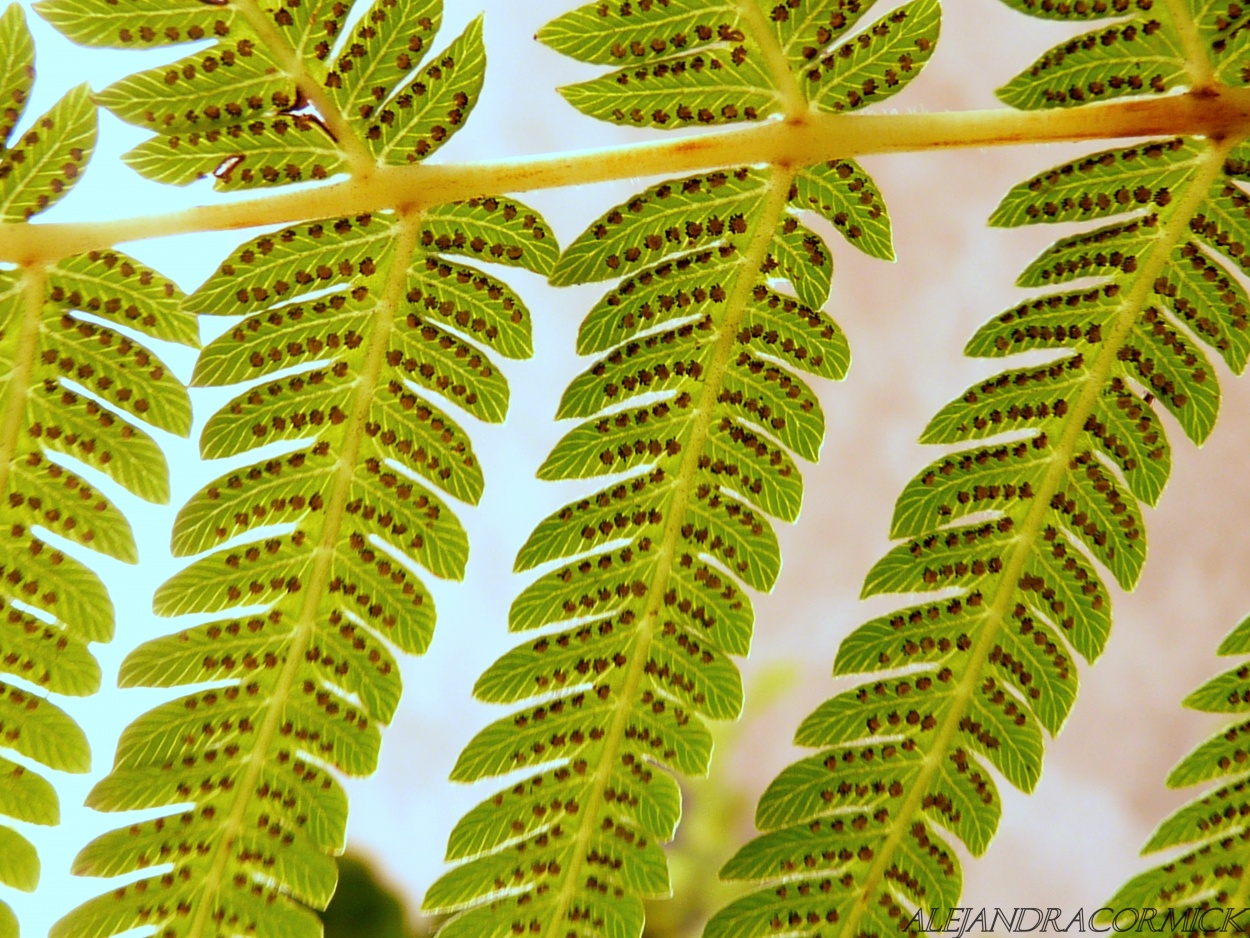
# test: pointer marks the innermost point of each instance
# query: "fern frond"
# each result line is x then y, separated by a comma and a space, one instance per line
1210, 873
309, 678
270, 102
76, 382
1045, 485
687, 63
697, 405
359, 337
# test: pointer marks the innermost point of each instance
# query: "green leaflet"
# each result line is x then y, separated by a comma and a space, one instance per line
878, 62
1009, 530
1220, 29
21, 863
311, 27
1075, 10
1140, 56
419, 119
845, 195
76, 386
1104, 184
310, 612
40, 166
1211, 828
617, 32
237, 109
170, 99
387, 44
683, 63
135, 23
278, 151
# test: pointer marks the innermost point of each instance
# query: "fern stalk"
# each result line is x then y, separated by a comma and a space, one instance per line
794, 105
18, 382
804, 140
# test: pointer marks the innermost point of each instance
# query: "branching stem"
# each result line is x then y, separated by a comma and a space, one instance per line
1197, 62
1216, 113
793, 101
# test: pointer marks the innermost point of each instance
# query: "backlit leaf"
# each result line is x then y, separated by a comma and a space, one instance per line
41, 165
1008, 531
1134, 57
308, 560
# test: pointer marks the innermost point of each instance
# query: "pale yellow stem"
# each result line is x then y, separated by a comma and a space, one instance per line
1197, 62
1216, 113
793, 101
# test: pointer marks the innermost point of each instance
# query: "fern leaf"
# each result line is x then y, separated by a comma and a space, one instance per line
169, 98
846, 196
1105, 184
266, 103
1010, 529
312, 27
1069, 10
1222, 30
135, 24
388, 43
613, 33
112, 284
698, 398
311, 677
679, 64
878, 62
352, 329
76, 383
275, 151
1211, 828
21, 862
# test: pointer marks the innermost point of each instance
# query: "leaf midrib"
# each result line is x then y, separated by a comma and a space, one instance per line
777, 187
349, 144
406, 234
